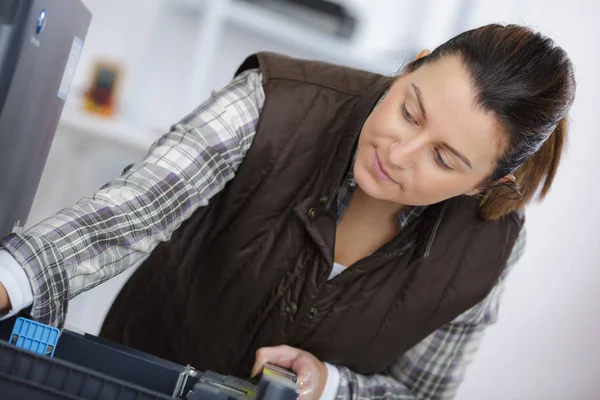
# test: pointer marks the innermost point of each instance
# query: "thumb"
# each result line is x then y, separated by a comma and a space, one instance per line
304, 370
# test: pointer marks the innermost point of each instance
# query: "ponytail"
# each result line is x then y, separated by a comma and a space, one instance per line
500, 200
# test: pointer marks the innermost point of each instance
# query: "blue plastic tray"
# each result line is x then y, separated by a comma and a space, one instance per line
35, 337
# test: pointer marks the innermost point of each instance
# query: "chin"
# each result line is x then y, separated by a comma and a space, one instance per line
370, 185
375, 189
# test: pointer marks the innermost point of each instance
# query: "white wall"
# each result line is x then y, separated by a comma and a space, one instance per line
544, 346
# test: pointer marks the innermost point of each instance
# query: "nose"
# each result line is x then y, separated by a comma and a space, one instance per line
403, 152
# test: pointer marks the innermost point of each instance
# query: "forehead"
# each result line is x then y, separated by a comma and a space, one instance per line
453, 116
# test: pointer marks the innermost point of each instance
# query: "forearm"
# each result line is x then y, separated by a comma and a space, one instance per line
356, 386
100, 236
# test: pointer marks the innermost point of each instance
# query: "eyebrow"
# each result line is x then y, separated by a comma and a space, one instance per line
446, 145
419, 99
457, 154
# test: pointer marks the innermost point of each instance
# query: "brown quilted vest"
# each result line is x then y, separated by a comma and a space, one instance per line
251, 268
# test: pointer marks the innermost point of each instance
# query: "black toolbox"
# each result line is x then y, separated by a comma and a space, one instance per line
88, 367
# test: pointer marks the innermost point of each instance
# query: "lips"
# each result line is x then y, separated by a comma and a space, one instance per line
380, 171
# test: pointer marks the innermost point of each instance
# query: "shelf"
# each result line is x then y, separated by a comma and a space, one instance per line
284, 29
108, 129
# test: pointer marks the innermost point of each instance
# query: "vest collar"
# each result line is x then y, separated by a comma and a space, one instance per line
429, 223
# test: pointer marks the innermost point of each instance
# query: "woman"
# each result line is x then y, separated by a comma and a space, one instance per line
366, 223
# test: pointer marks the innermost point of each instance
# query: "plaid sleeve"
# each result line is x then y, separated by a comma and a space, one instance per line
103, 234
435, 367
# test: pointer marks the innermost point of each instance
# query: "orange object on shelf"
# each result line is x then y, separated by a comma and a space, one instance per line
100, 98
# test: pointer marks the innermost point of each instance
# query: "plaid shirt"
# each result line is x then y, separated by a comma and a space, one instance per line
102, 235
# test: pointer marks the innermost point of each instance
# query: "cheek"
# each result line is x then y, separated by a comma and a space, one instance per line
432, 187
380, 124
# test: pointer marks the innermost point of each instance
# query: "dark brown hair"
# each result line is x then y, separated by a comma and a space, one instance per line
527, 83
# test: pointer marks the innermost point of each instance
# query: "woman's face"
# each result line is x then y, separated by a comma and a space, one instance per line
427, 140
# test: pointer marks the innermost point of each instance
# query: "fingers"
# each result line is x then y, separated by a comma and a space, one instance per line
283, 356
311, 372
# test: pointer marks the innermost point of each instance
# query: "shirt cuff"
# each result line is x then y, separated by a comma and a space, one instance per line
333, 383
16, 283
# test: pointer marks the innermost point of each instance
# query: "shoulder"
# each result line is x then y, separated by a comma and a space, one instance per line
458, 224
501, 234
238, 102
279, 67
476, 249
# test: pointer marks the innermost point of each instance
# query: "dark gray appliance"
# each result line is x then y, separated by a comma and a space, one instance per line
40, 44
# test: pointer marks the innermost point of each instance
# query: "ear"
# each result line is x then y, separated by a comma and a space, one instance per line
510, 178
423, 53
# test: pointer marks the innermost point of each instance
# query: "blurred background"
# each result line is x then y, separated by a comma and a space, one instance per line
152, 61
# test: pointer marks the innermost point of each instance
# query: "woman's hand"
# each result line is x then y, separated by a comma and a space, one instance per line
311, 372
4, 300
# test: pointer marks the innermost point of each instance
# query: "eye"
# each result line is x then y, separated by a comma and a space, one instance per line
440, 160
408, 116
